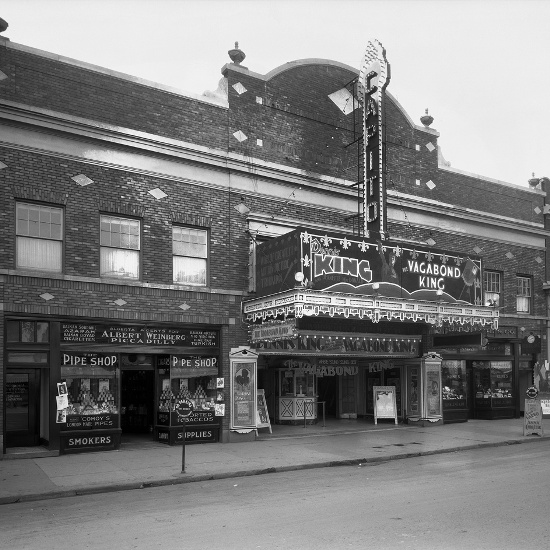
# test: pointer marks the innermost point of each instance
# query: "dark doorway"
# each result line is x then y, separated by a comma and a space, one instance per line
327, 389
137, 401
22, 407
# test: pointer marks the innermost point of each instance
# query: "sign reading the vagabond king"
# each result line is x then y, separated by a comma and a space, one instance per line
136, 335
374, 76
353, 265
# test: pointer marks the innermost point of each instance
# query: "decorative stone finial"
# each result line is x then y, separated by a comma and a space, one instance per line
3, 25
426, 119
533, 182
237, 56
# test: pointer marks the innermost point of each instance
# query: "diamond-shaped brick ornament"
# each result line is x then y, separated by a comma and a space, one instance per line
120, 302
538, 259
509, 255
344, 100
430, 146
2, 165
185, 307
158, 193
47, 296
477, 250
240, 136
239, 88
3, 76
430, 242
82, 180
537, 210
430, 185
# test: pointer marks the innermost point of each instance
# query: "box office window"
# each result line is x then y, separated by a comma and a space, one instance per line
120, 247
190, 255
39, 237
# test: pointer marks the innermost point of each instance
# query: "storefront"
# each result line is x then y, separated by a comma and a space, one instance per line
338, 315
79, 387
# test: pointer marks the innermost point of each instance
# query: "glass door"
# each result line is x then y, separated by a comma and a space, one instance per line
22, 407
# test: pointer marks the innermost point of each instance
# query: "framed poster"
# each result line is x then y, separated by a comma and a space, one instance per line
384, 403
432, 390
243, 394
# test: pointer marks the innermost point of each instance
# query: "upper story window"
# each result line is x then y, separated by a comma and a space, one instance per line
492, 288
39, 233
523, 294
190, 255
120, 246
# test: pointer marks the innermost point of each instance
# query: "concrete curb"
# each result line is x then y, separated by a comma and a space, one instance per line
130, 486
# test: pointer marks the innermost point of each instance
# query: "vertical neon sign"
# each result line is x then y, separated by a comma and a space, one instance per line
374, 76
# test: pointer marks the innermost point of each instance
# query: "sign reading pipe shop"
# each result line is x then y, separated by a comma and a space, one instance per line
354, 265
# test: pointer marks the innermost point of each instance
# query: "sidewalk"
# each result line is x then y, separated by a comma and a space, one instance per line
140, 464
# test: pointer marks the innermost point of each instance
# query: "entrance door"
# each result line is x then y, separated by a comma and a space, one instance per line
22, 407
137, 400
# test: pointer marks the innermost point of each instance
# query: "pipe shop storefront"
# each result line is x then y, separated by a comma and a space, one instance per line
339, 315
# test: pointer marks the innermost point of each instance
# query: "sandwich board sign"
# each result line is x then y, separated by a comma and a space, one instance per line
262, 416
384, 403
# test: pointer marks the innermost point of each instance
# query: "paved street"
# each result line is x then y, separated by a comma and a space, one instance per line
490, 498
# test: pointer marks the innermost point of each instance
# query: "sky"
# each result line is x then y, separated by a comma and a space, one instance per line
481, 67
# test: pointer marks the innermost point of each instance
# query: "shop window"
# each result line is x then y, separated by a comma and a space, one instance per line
453, 380
91, 382
523, 294
492, 288
28, 332
120, 247
39, 237
493, 379
190, 255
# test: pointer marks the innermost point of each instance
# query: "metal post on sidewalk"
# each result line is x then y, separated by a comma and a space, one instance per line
183, 448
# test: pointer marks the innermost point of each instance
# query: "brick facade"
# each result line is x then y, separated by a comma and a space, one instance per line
297, 165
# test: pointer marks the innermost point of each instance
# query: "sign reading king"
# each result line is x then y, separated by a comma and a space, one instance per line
374, 76
356, 265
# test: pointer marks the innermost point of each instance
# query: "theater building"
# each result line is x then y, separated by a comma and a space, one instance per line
295, 232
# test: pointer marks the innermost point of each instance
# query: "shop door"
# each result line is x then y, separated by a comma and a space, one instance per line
22, 407
470, 388
137, 400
